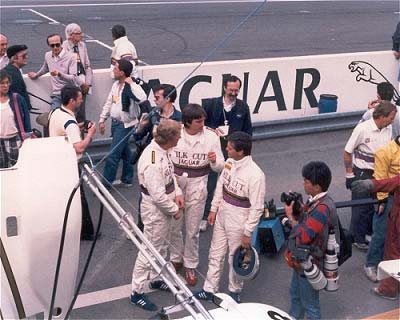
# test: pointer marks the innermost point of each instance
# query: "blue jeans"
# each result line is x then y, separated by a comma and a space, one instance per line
55, 102
361, 216
119, 151
379, 224
304, 300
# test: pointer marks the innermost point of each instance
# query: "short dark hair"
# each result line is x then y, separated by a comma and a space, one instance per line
241, 141
53, 35
318, 173
118, 31
383, 109
168, 91
4, 75
192, 112
125, 66
231, 78
385, 91
69, 92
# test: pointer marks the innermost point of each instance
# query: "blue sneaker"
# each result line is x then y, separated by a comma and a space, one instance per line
235, 296
204, 295
159, 285
142, 301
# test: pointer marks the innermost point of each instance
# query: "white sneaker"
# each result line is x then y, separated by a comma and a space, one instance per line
370, 272
119, 183
203, 225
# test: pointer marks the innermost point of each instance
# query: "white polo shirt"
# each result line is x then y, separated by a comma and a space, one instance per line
62, 122
365, 140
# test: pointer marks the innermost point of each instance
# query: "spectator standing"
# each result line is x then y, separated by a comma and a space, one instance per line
161, 202
387, 165
75, 45
385, 91
198, 151
388, 288
62, 67
123, 49
367, 138
18, 55
11, 128
124, 116
3, 51
225, 114
236, 209
62, 122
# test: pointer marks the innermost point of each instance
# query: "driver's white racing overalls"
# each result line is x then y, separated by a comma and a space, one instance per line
239, 203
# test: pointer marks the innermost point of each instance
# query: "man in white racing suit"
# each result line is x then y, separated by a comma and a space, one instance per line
198, 151
236, 208
161, 203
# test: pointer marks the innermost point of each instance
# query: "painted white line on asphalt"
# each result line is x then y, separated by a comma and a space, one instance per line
99, 42
133, 3
42, 15
110, 294
103, 296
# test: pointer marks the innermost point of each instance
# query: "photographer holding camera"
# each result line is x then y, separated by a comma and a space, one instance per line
164, 98
310, 226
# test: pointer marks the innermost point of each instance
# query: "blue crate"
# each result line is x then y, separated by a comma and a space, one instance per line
269, 236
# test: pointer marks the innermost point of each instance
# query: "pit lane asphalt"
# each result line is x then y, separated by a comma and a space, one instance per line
282, 160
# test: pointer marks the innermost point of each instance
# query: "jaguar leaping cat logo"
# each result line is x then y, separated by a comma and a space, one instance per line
368, 73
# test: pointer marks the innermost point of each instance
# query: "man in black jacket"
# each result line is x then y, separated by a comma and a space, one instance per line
225, 114
18, 56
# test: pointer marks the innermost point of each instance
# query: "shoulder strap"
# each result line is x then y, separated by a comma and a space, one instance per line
19, 118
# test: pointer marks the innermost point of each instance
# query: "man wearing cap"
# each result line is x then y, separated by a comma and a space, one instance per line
124, 110
3, 51
77, 47
62, 67
18, 55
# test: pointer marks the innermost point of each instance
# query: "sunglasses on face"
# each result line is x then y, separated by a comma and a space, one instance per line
55, 45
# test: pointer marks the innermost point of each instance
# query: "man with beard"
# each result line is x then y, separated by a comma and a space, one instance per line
226, 114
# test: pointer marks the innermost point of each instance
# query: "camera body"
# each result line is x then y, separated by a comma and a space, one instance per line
86, 125
296, 197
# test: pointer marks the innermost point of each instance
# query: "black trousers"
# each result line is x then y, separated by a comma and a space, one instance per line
87, 229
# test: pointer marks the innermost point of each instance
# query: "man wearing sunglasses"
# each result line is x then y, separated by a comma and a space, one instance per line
18, 56
62, 67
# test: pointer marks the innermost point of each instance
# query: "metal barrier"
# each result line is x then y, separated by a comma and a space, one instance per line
271, 129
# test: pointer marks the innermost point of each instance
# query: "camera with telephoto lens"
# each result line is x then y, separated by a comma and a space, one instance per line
317, 279
297, 198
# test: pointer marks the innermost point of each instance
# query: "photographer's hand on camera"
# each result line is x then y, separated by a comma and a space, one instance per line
289, 213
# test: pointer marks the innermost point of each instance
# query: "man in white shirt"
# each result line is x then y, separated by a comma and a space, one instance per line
367, 138
123, 49
124, 116
62, 122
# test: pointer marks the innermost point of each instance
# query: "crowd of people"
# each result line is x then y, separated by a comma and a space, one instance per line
196, 167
